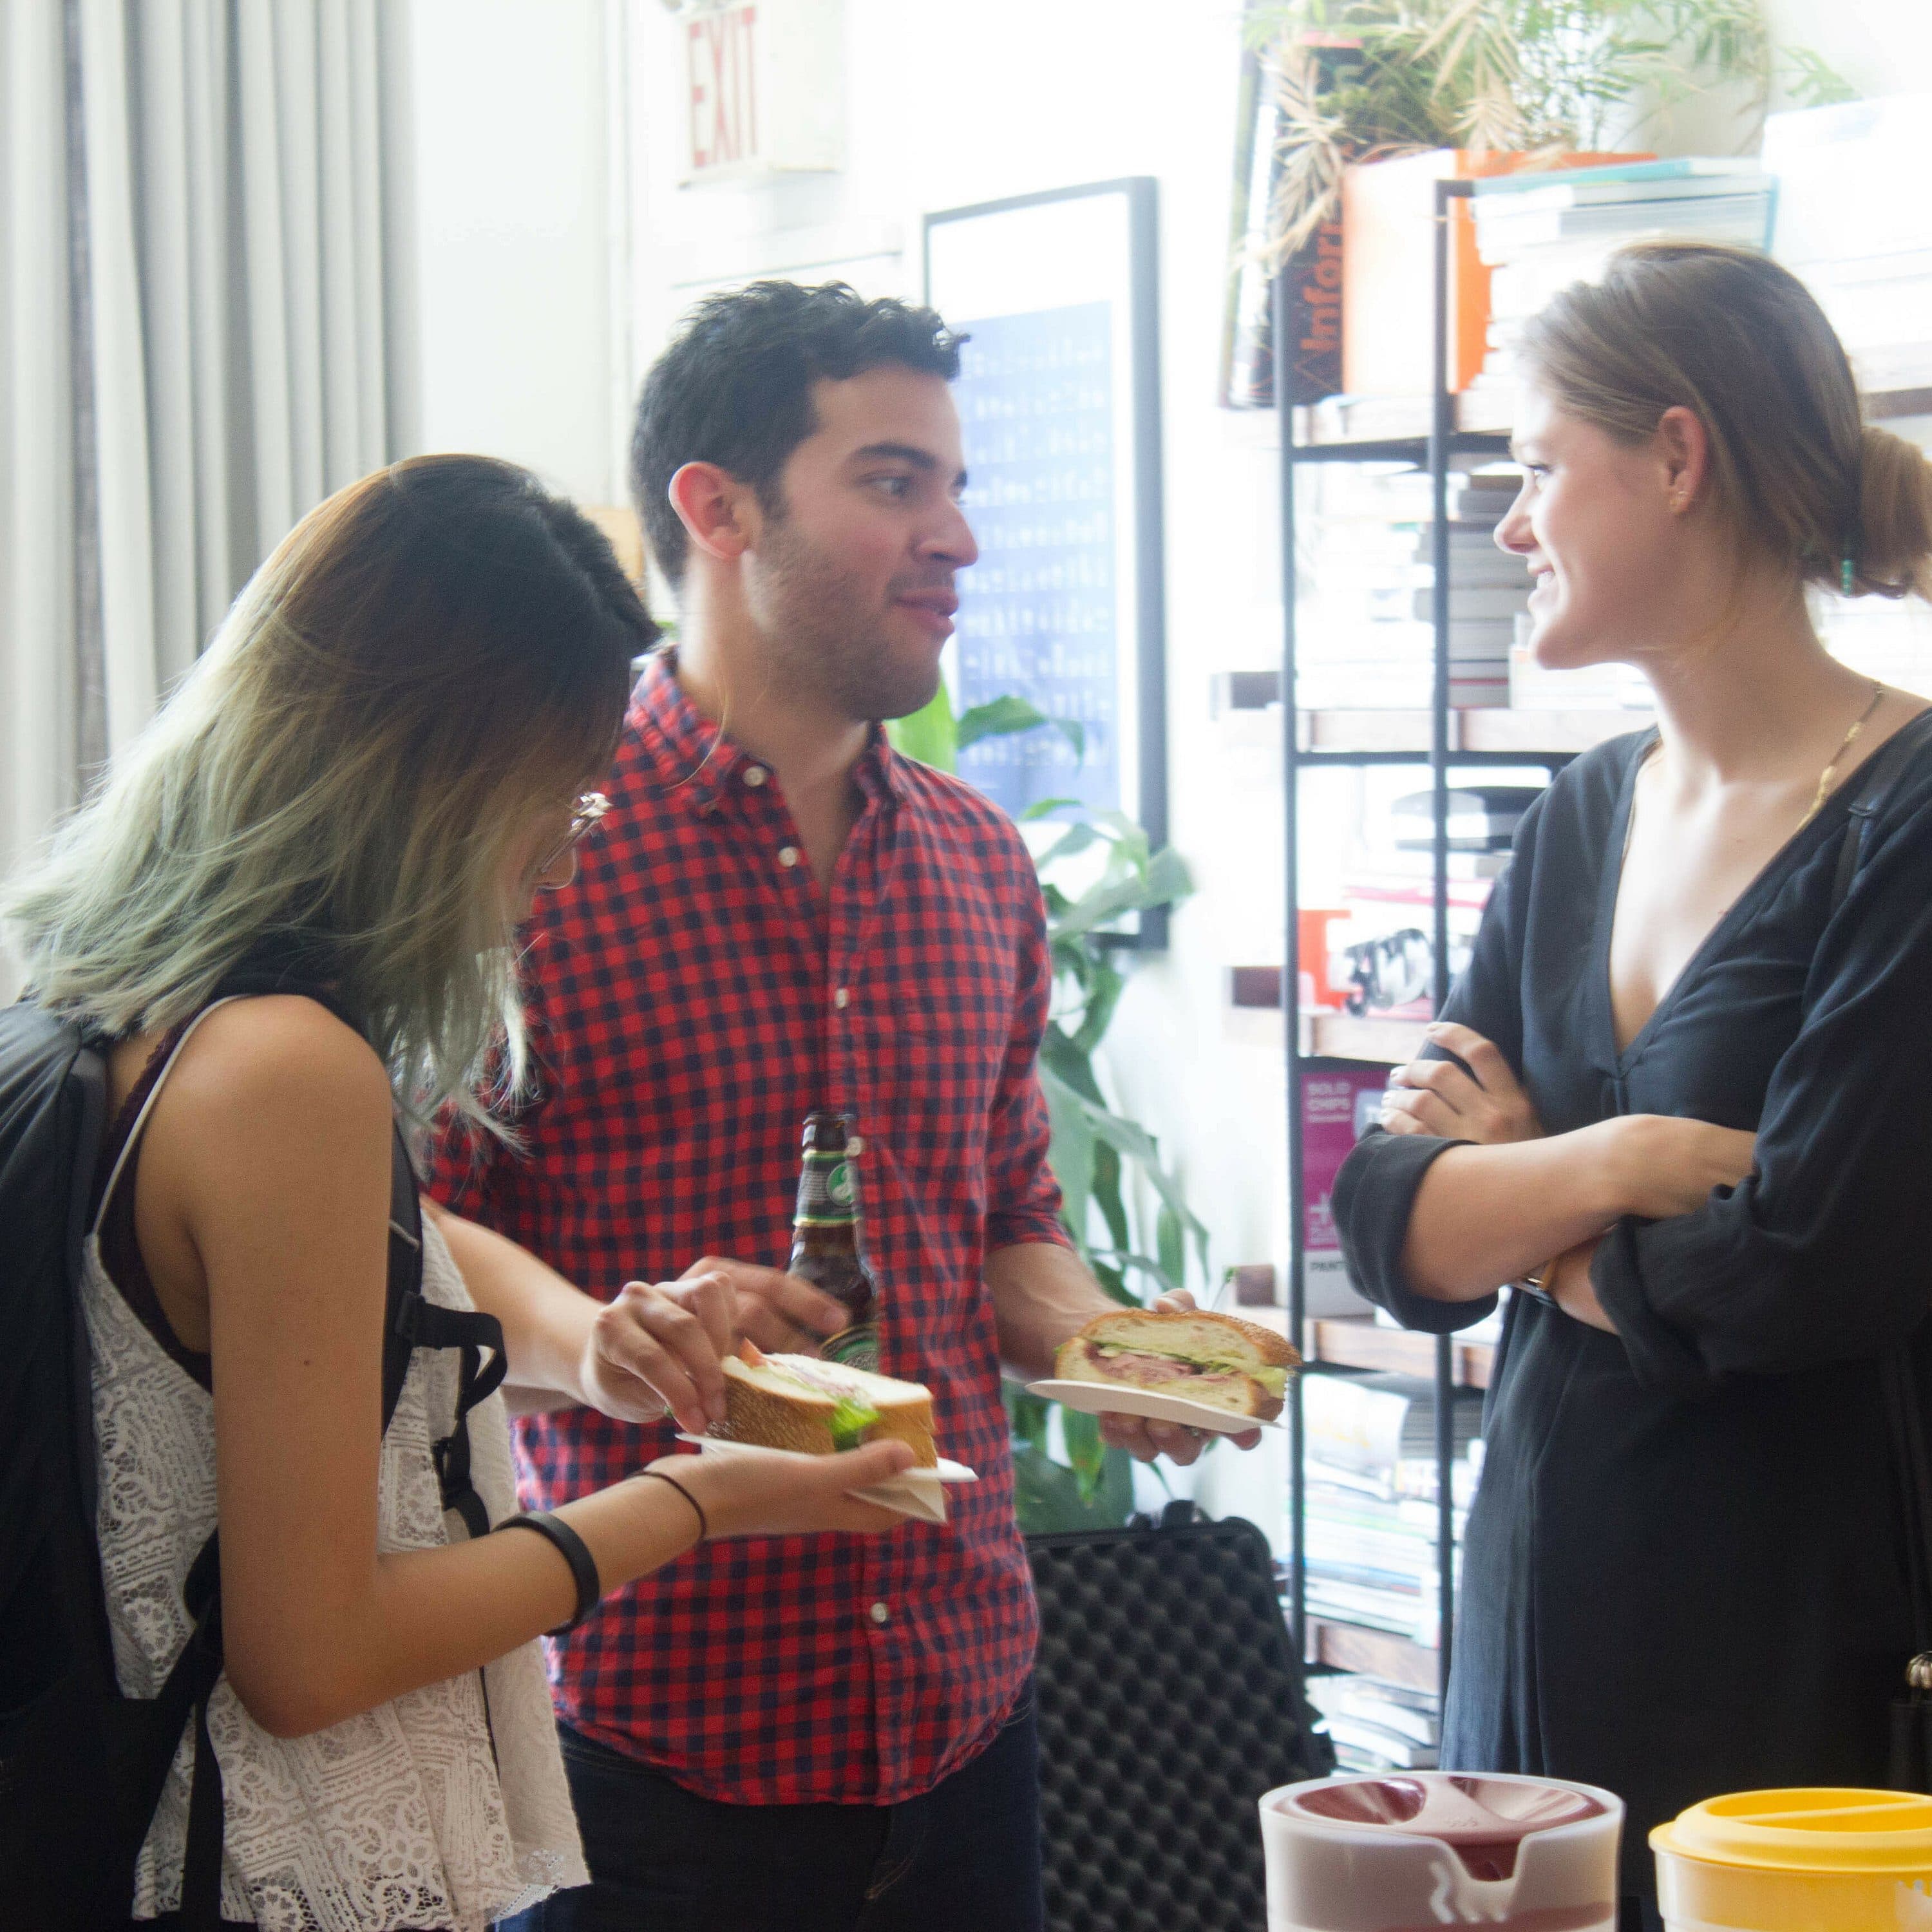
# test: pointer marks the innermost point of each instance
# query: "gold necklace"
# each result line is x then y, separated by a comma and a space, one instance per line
1827, 777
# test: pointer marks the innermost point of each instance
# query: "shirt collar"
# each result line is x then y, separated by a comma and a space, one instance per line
695, 759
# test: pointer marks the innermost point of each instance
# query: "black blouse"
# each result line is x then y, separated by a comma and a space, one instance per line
1685, 1570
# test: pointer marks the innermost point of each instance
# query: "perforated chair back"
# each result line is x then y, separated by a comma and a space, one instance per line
1170, 1699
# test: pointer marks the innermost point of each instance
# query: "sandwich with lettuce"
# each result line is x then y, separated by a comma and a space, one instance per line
1217, 1360
799, 1403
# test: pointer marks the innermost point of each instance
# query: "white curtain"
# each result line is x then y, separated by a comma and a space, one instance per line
199, 223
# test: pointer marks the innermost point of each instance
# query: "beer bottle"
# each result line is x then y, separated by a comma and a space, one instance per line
826, 1248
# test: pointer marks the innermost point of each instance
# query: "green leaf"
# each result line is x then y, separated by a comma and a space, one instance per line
1047, 1497
1085, 1450
929, 734
998, 717
1040, 807
1070, 1066
1077, 838
1170, 1245
1166, 880
1138, 1145
1026, 1414
1071, 1154
1103, 995
1107, 1195
1122, 1265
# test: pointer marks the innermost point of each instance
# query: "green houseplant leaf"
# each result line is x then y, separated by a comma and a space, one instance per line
1096, 1152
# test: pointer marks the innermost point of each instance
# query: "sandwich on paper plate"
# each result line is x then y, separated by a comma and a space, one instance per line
1218, 1360
799, 1403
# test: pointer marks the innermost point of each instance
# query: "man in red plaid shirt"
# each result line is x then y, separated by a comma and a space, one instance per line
779, 913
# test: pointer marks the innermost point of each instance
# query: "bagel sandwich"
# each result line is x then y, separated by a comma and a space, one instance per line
1219, 1360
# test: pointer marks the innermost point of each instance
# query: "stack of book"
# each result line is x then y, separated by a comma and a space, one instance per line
1377, 1726
1365, 637
1369, 1548
1850, 223
1540, 231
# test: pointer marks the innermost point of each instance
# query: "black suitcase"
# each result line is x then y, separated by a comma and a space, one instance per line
1170, 1699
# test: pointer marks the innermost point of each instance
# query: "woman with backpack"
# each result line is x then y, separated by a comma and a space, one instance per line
288, 916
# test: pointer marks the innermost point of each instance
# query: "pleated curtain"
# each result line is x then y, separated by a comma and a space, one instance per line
199, 337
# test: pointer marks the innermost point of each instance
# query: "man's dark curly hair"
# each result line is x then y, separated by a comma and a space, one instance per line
735, 387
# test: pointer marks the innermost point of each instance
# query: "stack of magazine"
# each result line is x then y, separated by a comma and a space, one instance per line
1542, 229
1377, 1725
1370, 1525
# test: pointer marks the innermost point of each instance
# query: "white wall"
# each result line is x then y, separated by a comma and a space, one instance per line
523, 339
1881, 47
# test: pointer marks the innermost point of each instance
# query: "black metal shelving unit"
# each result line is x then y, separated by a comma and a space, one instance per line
1436, 451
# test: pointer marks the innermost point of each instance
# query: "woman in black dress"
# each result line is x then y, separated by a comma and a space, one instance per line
1682, 1091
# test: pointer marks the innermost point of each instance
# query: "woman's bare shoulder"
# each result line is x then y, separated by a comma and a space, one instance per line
280, 1066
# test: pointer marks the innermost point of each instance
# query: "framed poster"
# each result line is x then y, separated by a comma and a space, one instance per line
1059, 395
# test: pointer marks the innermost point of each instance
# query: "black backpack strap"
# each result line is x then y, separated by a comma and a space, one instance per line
480, 1339
1870, 788
199, 1664
414, 1322
405, 1266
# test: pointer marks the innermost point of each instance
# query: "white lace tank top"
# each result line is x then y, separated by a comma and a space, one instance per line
430, 1811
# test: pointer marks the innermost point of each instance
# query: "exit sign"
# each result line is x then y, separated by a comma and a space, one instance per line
763, 87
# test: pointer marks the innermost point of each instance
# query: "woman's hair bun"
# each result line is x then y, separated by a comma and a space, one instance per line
1892, 554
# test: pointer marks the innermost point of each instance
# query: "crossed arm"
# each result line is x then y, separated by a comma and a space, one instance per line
1519, 1199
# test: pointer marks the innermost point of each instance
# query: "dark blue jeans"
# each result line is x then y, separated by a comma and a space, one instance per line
963, 1857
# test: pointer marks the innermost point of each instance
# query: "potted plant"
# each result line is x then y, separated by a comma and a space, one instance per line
1487, 85
1096, 867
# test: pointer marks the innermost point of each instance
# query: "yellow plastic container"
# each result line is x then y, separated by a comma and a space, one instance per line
1799, 1861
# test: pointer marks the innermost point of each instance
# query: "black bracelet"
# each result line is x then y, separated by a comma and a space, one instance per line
574, 1551
703, 1523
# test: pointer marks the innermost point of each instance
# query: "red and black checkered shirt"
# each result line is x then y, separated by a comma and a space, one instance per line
693, 996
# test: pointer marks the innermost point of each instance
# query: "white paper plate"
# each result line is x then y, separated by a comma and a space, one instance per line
913, 1493
1113, 1399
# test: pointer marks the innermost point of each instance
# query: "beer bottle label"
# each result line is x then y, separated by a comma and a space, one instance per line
825, 1194
857, 1347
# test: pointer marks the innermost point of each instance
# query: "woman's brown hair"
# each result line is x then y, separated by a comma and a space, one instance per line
1742, 342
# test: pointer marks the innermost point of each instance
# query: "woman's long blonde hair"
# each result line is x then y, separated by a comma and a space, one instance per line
336, 785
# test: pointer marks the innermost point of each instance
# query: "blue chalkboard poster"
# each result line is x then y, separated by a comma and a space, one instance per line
1059, 405
1038, 611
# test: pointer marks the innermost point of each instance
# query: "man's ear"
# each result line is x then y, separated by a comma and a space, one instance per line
718, 512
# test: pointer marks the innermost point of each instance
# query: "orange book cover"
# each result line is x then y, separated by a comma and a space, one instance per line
1388, 266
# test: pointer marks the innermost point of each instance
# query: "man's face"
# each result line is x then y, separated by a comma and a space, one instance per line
850, 579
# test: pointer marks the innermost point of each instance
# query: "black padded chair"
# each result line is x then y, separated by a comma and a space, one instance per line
1170, 1699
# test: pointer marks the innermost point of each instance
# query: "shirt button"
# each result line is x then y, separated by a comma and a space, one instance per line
842, 998
756, 774
879, 1614
788, 855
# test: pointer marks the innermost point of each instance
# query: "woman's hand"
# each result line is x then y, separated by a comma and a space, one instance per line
1568, 1284
661, 1346
1659, 1166
1486, 1104
768, 1492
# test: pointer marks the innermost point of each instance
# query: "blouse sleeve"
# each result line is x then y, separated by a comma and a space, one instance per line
1824, 1253
1375, 1190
